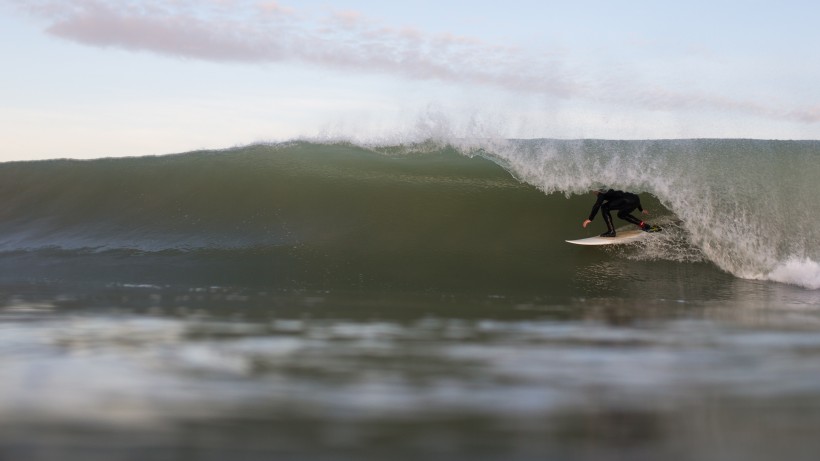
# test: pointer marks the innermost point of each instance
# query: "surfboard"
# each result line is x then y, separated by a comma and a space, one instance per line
627, 236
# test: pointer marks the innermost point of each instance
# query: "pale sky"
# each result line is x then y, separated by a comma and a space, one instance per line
94, 78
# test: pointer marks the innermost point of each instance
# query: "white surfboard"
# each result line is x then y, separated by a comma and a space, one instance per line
627, 236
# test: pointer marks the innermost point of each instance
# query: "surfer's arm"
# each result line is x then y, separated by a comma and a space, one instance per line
640, 207
595, 207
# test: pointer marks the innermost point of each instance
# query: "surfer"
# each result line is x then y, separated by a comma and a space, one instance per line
624, 202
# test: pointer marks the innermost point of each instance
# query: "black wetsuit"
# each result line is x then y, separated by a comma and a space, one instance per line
624, 202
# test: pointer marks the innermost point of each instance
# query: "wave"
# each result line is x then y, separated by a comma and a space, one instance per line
742, 203
452, 210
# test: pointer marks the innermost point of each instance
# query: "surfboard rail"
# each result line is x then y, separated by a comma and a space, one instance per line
627, 236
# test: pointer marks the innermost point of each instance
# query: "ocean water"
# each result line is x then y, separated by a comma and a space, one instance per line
311, 300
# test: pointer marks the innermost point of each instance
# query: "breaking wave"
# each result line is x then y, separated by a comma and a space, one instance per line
427, 214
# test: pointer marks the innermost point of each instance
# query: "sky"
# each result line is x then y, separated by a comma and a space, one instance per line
106, 78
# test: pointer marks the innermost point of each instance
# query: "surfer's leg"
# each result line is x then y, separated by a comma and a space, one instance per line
608, 220
645, 226
625, 207
626, 216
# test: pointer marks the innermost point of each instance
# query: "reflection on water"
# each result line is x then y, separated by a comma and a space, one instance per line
216, 373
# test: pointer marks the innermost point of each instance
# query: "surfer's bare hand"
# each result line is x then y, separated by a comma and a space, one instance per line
586, 222
645, 211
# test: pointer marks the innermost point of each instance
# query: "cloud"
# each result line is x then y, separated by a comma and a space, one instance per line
265, 31
247, 31
180, 30
808, 115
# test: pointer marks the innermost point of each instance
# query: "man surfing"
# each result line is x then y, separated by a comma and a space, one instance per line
625, 203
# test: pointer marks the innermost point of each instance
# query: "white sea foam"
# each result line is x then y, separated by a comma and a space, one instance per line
797, 271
